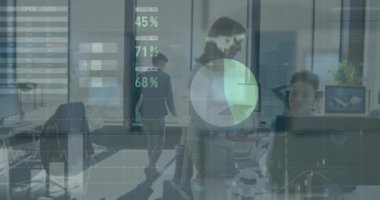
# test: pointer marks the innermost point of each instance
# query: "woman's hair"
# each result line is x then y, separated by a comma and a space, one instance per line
305, 77
223, 26
159, 57
211, 52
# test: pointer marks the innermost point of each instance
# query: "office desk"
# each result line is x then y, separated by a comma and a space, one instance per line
32, 120
7, 133
13, 157
13, 170
216, 189
340, 150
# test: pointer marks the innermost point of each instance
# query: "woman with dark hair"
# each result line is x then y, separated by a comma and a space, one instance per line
223, 41
302, 101
303, 93
210, 75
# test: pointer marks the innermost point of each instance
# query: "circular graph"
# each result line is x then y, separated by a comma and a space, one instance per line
224, 92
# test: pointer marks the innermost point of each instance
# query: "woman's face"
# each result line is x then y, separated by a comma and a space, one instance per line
234, 49
301, 98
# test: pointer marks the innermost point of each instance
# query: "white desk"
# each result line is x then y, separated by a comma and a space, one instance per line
35, 118
12, 157
216, 189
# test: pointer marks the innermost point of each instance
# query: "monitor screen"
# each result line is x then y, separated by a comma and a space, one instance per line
9, 101
345, 100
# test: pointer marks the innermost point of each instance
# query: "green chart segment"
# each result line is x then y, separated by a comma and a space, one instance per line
224, 92
240, 90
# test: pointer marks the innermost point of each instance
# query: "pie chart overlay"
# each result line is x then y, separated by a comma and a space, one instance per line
224, 92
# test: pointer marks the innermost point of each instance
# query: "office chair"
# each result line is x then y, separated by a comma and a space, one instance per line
66, 131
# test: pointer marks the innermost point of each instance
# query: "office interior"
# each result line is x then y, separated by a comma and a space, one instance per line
77, 61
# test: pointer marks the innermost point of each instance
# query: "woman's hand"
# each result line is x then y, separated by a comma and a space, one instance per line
241, 137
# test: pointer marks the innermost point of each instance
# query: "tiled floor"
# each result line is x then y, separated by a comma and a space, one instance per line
111, 178
122, 172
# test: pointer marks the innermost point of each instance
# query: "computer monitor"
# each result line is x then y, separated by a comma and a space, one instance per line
9, 102
345, 100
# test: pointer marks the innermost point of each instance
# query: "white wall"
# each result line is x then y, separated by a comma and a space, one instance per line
372, 51
296, 16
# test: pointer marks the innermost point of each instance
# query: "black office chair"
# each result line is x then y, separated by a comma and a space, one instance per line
69, 121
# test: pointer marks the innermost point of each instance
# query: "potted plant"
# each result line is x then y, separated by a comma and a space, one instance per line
347, 74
